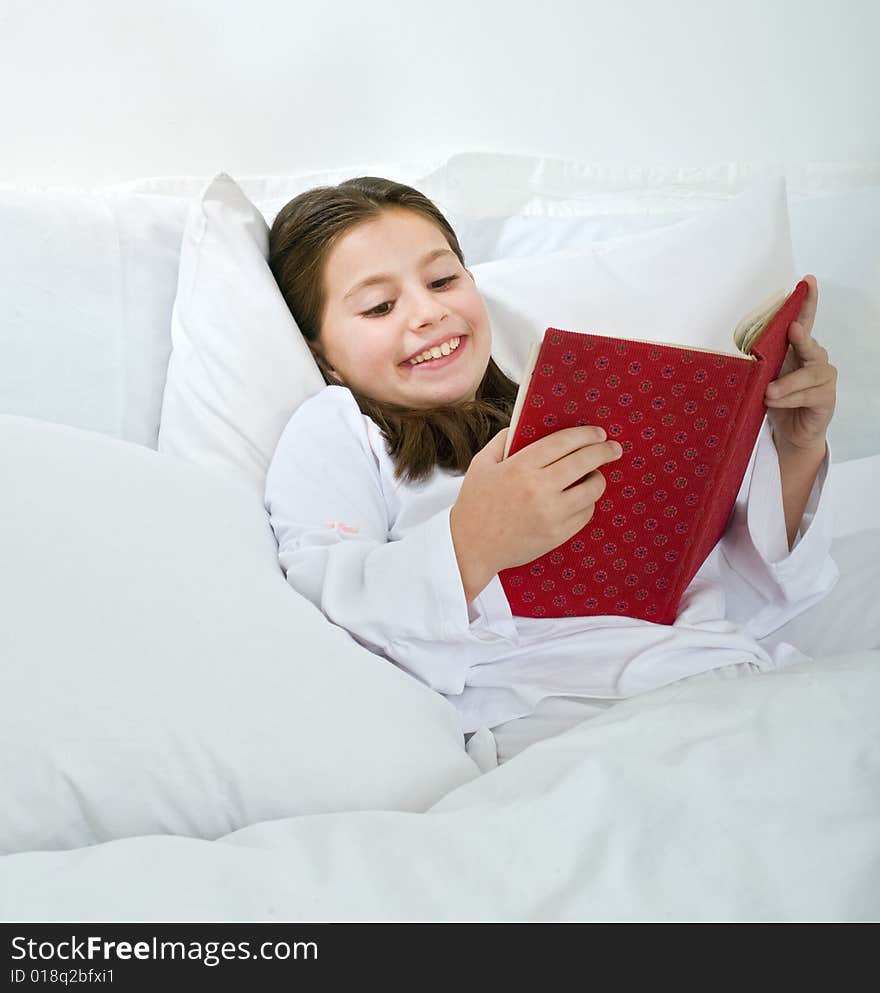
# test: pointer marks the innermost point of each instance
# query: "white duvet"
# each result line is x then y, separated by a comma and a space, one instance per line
756, 799
748, 800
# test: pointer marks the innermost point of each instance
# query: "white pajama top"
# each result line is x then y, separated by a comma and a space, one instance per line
376, 556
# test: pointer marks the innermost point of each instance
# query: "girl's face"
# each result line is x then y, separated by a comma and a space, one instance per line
393, 290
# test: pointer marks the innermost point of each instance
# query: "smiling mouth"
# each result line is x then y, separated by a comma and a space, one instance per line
448, 353
435, 352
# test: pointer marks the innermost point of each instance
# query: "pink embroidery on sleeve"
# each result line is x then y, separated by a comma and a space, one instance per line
347, 528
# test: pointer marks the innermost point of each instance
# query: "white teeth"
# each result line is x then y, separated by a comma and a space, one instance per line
437, 351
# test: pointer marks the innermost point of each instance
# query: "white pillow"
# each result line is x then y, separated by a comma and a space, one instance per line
160, 676
486, 239
688, 283
239, 367
87, 282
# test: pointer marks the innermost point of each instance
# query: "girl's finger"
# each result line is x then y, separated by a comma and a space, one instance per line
805, 346
800, 379
811, 302
815, 396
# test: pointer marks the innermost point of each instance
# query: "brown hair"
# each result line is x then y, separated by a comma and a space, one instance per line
302, 235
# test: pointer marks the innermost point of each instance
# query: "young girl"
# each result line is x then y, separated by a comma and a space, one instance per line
394, 511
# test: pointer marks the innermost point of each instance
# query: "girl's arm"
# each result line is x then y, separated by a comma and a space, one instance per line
770, 573
400, 599
797, 470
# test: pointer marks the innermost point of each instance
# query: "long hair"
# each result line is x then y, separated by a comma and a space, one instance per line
302, 235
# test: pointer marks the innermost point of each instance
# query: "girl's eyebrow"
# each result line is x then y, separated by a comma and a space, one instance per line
383, 277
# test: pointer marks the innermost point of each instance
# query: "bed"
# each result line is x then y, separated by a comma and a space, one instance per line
185, 738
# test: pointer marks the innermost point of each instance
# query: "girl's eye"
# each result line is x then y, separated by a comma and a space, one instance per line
377, 312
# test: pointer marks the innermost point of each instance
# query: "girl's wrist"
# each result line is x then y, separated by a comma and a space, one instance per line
475, 574
814, 452
798, 468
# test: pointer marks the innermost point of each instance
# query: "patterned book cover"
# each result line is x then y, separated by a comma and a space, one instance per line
687, 419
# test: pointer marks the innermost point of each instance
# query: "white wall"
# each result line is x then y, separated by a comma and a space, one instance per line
103, 91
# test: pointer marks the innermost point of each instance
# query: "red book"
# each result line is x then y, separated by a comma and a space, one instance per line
687, 418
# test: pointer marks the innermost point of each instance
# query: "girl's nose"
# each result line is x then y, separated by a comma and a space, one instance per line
427, 308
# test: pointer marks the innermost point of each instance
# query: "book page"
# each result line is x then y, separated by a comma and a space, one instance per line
750, 327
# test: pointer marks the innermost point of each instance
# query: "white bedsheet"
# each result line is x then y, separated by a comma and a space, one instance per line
748, 800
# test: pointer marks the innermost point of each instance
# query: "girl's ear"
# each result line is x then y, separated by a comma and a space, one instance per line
322, 363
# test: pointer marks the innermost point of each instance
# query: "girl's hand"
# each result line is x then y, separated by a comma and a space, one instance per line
510, 511
801, 401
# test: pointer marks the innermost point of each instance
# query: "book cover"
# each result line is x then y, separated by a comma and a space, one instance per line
687, 419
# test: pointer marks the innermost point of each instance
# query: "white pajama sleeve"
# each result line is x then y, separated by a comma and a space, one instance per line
403, 599
765, 583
